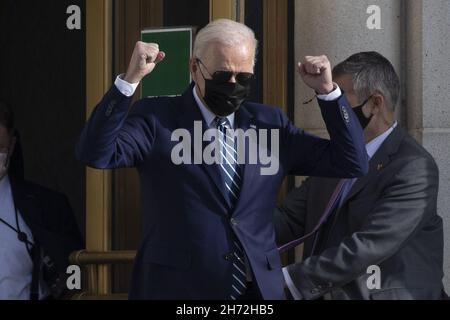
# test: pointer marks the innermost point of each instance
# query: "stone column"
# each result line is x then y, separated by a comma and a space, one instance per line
428, 93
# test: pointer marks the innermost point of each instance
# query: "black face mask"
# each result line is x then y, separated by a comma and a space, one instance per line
223, 97
360, 114
226, 98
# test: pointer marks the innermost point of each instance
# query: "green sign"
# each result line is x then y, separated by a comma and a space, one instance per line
171, 77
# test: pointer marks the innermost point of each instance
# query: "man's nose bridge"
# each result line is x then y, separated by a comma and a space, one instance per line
233, 78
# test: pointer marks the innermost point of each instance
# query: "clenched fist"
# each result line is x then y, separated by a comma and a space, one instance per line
316, 74
143, 61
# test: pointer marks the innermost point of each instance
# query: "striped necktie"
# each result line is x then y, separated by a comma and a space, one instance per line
232, 176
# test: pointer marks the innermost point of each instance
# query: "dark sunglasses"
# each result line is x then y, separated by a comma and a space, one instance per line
220, 77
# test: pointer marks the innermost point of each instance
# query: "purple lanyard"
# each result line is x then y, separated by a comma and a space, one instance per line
329, 209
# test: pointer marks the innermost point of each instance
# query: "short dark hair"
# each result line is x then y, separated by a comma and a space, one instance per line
371, 72
6, 117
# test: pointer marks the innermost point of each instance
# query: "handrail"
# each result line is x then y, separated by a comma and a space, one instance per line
93, 261
84, 257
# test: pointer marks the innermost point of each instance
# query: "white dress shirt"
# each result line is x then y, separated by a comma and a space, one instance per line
372, 148
16, 265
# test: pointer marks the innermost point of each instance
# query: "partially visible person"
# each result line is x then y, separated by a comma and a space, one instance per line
38, 231
387, 219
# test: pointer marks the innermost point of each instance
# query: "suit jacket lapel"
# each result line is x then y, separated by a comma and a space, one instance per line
379, 161
376, 164
26, 204
245, 121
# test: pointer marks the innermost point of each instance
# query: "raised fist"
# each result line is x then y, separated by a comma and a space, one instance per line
143, 61
316, 74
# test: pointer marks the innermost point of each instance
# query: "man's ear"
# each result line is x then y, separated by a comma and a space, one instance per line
378, 103
193, 66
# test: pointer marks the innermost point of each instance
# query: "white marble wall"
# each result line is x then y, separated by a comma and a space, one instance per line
415, 37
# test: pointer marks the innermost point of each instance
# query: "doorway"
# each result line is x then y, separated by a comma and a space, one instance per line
121, 228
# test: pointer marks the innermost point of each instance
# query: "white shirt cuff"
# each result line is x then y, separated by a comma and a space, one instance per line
127, 89
333, 96
290, 284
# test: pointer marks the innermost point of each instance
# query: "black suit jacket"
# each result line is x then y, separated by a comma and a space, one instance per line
388, 219
52, 224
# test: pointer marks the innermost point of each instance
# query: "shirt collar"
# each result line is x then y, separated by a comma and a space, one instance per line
207, 114
373, 146
4, 188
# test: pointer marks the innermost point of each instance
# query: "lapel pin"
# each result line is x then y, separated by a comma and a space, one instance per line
380, 167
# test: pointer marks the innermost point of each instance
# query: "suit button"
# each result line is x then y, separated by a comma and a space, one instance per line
345, 114
229, 256
234, 222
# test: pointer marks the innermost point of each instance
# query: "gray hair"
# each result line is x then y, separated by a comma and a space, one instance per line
226, 32
371, 72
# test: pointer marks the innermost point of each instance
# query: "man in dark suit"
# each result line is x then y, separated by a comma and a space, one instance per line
38, 231
208, 229
377, 237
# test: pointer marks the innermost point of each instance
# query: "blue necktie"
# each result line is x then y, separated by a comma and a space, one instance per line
232, 176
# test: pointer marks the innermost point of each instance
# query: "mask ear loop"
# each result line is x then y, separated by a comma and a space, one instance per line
365, 102
199, 62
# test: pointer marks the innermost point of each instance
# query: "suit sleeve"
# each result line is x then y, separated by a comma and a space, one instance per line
114, 137
290, 217
343, 156
396, 217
